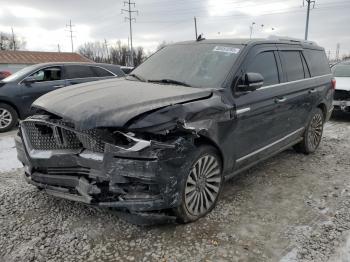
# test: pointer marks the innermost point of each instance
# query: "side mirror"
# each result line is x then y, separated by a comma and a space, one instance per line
251, 82
29, 80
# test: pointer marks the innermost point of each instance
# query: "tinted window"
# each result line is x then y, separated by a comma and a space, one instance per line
265, 64
100, 72
47, 74
76, 71
292, 65
318, 62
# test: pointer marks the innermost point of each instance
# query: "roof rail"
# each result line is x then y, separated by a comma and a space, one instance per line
291, 39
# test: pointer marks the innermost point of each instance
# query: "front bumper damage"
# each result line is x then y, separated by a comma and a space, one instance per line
138, 180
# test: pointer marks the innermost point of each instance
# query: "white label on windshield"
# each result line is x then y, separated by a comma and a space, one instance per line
226, 49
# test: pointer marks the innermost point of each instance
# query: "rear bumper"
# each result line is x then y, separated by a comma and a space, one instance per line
136, 185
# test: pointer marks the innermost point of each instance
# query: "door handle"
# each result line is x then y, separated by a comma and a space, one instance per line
58, 86
313, 90
280, 99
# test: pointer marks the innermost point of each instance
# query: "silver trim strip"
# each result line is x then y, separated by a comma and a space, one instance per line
242, 110
270, 145
295, 81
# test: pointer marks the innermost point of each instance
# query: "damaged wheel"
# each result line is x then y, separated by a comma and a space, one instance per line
202, 186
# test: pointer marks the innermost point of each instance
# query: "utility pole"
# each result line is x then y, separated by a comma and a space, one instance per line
309, 2
130, 19
107, 51
58, 48
251, 29
13, 40
195, 27
70, 26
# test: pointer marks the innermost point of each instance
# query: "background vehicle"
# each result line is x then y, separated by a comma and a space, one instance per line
341, 72
4, 74
162, 141
19, 91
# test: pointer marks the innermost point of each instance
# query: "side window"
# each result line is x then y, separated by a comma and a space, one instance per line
48, 74
100, 72
77, 71
265, 64
292, 65
318, 62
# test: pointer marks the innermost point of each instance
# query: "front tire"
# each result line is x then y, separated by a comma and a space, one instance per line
8, 117
313, 133
202, 185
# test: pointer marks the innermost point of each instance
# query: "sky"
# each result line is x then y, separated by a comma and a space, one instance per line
42, 23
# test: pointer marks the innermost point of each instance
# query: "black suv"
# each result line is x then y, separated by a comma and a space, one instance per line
20, 90
161, 143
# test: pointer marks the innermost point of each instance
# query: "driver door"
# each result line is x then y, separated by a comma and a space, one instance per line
46, 80
258, 112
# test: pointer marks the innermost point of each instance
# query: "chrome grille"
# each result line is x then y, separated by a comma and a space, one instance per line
44, 135
78, 170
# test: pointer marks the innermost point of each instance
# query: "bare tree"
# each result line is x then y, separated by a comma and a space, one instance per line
9, 42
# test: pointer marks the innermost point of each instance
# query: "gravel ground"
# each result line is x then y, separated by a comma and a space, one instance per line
290, 208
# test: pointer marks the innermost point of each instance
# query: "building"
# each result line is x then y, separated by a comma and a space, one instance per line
13, 61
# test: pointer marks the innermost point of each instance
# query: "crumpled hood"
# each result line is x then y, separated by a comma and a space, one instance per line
112, 103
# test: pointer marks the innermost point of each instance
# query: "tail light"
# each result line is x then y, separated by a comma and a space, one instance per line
334, 83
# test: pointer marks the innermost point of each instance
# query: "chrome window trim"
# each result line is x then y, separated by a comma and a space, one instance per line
295, 81
242, 110
269, 145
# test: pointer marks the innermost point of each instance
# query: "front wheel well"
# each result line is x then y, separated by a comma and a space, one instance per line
202, 140
12, 105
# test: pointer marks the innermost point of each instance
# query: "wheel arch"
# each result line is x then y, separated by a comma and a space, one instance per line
323, 107
202, 140
12, 105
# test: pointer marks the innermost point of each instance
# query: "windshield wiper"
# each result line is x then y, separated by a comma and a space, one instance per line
140, 78
169, 81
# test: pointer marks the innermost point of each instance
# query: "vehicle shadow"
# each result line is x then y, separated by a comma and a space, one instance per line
340, 117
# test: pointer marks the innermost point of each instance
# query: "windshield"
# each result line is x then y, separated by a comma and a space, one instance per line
341, 70
197, 65
19, 75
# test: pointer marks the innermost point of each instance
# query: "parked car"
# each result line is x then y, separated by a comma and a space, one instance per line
4, 74
127, 69
160, 143
18, 91
341, 72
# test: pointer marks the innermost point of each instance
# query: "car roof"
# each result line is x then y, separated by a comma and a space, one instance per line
246, 42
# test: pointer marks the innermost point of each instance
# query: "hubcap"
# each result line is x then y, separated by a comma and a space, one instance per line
203, 185
5, 118
315, 131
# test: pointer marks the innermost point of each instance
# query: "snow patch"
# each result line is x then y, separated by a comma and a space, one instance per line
8, 154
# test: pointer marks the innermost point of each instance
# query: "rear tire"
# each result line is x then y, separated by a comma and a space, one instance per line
202, 185
313, 133
8, 117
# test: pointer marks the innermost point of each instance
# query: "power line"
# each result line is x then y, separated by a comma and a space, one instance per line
130, 19
71, 33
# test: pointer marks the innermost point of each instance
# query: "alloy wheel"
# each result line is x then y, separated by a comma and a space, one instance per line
5, 118
315, 131
203, 185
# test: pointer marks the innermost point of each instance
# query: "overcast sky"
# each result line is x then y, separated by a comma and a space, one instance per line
43, 22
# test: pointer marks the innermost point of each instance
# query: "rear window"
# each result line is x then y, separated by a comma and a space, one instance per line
293, 65
100, 72
318, 62
77, 71
341, 70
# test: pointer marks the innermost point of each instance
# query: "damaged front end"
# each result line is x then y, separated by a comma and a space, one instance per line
102, 166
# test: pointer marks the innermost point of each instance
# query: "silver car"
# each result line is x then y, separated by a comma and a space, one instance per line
341, 73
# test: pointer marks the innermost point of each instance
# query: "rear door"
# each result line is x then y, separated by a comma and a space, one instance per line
77, 74
258, 114
47, 79
300, 92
